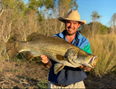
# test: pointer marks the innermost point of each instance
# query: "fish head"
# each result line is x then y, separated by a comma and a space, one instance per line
92, 61
78, 57
88, 60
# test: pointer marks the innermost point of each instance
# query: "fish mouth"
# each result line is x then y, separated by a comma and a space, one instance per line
92, 62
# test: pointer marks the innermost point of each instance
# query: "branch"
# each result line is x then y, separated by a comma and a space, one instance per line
1, 12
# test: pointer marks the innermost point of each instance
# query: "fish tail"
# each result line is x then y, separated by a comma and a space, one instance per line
11, 49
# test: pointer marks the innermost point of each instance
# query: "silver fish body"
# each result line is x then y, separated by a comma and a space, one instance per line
55, 48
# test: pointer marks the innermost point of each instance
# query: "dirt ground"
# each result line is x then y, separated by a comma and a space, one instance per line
27, 75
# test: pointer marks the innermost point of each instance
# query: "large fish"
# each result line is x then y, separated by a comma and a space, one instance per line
55, 48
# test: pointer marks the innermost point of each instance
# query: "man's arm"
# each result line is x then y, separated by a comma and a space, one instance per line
45, 60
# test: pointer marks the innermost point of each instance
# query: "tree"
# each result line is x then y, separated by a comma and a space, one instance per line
12, 4
65, 5
86, 29
113, 19
35, 4
95, 16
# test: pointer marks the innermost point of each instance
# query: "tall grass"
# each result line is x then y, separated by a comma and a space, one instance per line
104, 46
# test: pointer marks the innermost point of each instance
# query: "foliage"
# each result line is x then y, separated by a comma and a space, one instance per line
95, 15
48, 3
65, 5
98, 28
102, 29
113, 22
12, 4
34, 4
86, 30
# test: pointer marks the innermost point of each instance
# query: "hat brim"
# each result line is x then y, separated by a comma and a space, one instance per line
64, 19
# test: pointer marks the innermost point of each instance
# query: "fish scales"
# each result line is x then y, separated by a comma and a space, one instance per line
57, 49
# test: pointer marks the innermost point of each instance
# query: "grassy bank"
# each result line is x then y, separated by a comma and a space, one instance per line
104, 46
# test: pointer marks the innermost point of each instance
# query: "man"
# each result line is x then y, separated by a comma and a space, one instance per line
69, 77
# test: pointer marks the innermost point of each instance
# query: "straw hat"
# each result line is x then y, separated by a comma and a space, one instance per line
72, 15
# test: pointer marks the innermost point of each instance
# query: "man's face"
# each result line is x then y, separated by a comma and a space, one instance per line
71, 27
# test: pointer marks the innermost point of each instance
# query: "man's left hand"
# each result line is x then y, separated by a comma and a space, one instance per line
85, 68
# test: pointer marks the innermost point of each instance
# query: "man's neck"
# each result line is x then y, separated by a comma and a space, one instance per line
70, 38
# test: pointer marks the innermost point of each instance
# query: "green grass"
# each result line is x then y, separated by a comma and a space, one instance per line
43, 84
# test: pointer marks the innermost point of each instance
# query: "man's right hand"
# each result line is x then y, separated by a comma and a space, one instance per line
45, 60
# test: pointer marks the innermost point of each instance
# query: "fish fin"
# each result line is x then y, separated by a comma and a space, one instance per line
28, 56
60, 57
33, 36
58, 67
11, 49
58, 38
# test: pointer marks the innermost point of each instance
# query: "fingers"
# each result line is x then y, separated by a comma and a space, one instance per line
44, 59
47, 63
85, 68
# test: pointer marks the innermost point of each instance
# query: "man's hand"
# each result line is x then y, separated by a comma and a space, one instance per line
45, 60
85, 68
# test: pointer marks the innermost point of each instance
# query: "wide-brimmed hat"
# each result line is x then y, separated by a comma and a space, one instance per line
72, 15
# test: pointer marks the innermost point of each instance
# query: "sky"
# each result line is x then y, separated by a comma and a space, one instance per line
105, 8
